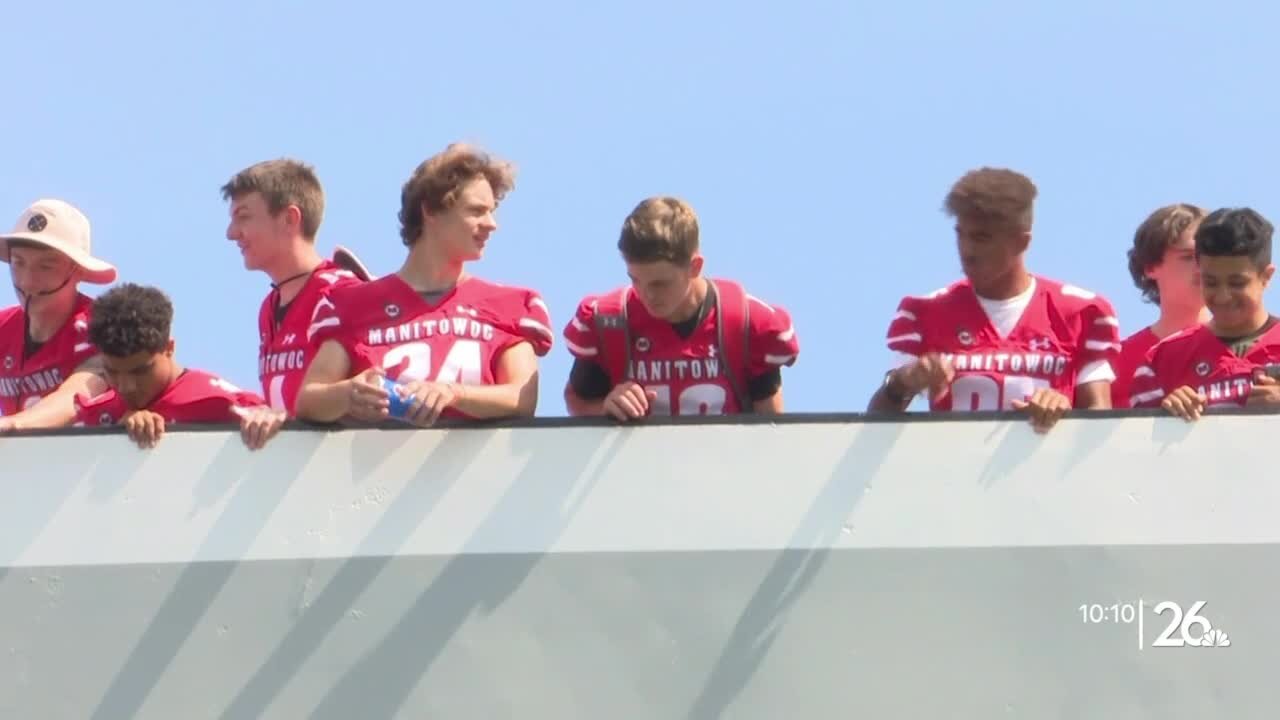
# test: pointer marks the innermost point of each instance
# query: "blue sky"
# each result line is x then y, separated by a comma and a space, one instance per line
815, 139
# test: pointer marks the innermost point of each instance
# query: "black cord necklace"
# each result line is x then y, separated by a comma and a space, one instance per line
291, 278
277, 312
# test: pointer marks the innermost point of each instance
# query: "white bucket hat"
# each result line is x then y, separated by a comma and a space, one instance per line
60, 226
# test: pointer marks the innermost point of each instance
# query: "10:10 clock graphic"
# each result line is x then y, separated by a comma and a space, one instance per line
1182, 628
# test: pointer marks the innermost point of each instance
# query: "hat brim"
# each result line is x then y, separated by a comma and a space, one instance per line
98, 272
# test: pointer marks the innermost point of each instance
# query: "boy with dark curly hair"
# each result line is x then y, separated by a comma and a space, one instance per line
148, 389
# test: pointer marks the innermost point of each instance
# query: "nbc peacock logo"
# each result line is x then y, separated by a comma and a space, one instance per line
1215, 638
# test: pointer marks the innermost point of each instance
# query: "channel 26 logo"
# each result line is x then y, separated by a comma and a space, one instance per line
1188, 629
1179, 627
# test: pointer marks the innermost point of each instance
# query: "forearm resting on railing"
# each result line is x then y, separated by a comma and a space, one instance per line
58, 409
324, 402
497, 401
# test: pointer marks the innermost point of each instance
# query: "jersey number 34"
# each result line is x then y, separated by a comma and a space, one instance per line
412, 361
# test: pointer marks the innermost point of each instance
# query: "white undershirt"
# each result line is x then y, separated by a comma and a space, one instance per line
1004, 314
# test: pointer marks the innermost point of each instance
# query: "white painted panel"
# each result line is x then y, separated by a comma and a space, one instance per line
95, 499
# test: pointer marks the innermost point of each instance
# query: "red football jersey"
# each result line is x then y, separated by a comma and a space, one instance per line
459, 339
1196, 357
1133, 354
284, 353
1064, 334
704, 374
24, 381
194, 397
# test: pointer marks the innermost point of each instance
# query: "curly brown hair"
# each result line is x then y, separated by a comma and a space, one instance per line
1161, 229
435, 183
993, 195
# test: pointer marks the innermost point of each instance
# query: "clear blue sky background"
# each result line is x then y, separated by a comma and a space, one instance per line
815, 139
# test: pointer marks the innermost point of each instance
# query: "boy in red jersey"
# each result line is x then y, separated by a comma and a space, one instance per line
46, 357
451, 344
675, 342
276, 209
149, 390
1233, 359
1162, 262
1002, 338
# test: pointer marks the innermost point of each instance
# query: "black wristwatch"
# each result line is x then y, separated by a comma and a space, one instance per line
893, 387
